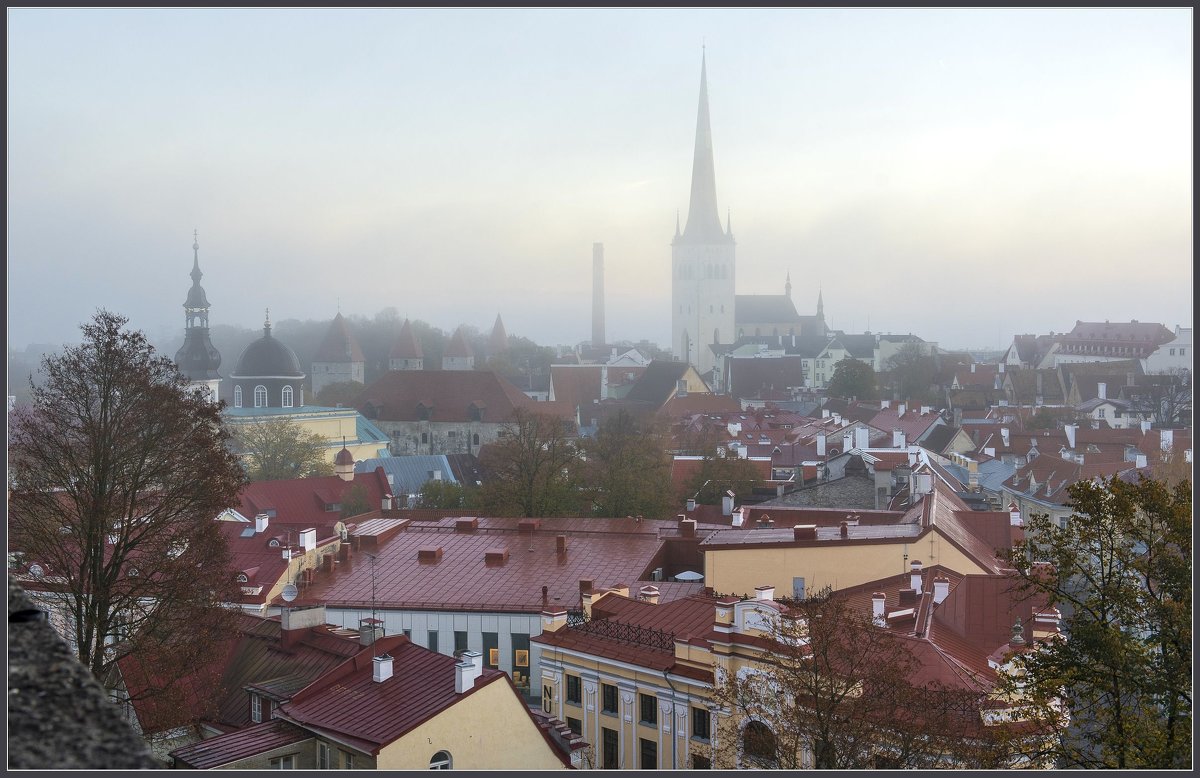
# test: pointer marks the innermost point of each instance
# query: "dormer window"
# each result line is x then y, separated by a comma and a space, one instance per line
242, 578
273, 543
133, 572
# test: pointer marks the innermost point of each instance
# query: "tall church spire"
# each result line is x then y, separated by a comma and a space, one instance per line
787, 285
820, 306
196, 274
704, 220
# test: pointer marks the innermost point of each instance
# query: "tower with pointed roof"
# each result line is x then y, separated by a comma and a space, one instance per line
339, 358
498, 342
406, 351
198, 359
702, 259
458, 355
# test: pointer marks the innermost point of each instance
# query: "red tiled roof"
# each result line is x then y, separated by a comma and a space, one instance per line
698, 403
349, 703
447, 395
241, 744
608, 551
913, 422
303, 501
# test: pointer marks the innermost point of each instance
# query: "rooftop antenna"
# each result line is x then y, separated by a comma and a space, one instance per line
374, 617
531, 537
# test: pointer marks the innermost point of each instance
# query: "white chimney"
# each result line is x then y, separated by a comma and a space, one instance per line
649, 594
1070, 430
898, 438
1145, 426
824, 413
925, 409
862, 438
900, 409
386, 502
924, 483
1141, 461
1004, 434
691, 504
941, 589
727, 503
1000, 367
308, 539
884, 404
915, 575
260, 523
738, 517
821, 444
972, 367
469, 668
837, 419
764, 592
878, 606
1166, 439
846, 442
383, 668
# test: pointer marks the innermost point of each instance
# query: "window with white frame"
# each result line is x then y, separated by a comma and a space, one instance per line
237, 397
255, 708
287, 762
287, 397
260, 396
441, 761
322, 756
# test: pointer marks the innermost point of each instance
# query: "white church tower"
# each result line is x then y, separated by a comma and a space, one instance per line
702, 260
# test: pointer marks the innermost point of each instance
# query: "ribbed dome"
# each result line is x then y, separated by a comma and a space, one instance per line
267, 357
196, 297
198, 359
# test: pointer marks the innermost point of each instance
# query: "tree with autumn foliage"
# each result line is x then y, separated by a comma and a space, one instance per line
118, 471
833, 691
626, 470
532, 469
1120, 571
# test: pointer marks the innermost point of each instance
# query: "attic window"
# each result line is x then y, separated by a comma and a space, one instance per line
273, 543
36, 570
242, 578
133, 572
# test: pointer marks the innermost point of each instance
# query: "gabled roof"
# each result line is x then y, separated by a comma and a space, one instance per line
307, 501
214, 752
858, 346
764, 309
914, 423
447, 395
658, 382
339, 344
409, 473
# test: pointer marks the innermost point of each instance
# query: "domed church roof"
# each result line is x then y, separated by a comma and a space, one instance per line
268, 358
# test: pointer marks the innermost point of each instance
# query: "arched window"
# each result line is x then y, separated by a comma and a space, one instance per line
441, 761
287, 397
237, 397
475, 439
260, 396
759, 744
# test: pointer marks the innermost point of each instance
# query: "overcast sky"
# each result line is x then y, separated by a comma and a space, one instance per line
963, 175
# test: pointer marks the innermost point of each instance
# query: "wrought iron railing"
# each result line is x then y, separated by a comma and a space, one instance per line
576, 617
656, 639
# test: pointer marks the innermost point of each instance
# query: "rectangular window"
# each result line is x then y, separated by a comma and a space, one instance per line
284, 762
649, 754
520, 645
432, 638
491, 649
609, 751
575, 725
1183, 352
608, 698
648, 708
255, 708
322, 756
701, 722
347, 760
460, 642
574, 693
408, 633
1172, 352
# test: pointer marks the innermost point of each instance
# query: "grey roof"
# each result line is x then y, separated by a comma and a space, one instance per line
408, 473
939, 437
657, 383
764, 308
268, 357
858, 345
992, 474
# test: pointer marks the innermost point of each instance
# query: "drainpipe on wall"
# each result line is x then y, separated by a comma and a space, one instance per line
674, 724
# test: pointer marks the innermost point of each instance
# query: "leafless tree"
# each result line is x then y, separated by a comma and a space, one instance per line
117, 474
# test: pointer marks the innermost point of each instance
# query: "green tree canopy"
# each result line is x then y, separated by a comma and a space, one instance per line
1121, 574
343, 393
853, 378
910, 373
531, 469
275, 449
627, 471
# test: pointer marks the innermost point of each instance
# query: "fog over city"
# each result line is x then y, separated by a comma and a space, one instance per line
962, 175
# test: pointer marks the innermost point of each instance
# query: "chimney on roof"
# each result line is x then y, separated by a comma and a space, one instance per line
908, 596
260, 523
915, 575
821, 444
847, 442
469, 668
885, 404
687, 528
927, 409
1145, 424
386, 502
382, 668
958, 417
941, 589
738, 517
765, 592
898, 438
1004, 435
844, 530
924, 483
804, 532
878, 607
837, 419
691, 504
586, 584
1014, 515
560, 544
824, 413
900, 410
1140, 462
972, 367
1166, 439
1000, 367
466, 524
308, 539
862, 438
1102, 390
727, 503
1046, 623
369, 630
649, 594
972, 474
1070, 429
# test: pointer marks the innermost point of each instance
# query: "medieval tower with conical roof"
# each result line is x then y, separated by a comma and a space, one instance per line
339, 358
198, 359
702, 259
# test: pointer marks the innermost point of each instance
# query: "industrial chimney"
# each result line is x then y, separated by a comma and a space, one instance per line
597, 294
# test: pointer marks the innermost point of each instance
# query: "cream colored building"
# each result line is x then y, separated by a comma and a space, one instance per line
334, 425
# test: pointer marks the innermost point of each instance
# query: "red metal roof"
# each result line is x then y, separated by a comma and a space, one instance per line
231, 747
305, 501
446, 395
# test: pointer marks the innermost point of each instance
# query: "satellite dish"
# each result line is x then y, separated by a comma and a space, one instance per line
289, 592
